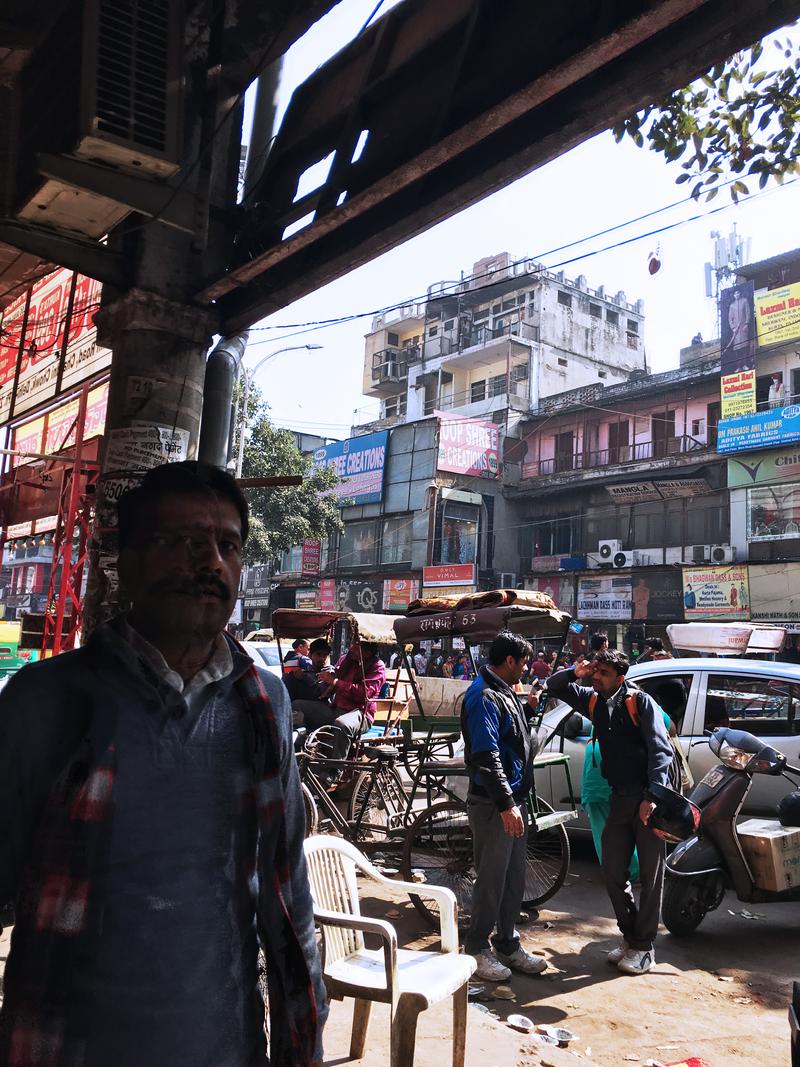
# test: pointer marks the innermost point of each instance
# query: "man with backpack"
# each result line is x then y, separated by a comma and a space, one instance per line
636, 754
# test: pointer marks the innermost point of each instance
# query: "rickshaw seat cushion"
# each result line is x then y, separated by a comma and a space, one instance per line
381, 752
454, 766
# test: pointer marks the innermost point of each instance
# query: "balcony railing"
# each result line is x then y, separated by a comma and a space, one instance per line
389, 365
642, 451
501, 386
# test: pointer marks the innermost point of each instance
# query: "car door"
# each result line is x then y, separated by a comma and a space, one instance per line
677, 693
764, 704
551, 782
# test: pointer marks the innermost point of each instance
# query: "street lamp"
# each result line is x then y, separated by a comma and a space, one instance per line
246, 376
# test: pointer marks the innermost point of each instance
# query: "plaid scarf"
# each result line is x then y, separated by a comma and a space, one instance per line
60, 905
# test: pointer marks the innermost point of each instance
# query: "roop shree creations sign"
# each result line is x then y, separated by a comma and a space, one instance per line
468, 446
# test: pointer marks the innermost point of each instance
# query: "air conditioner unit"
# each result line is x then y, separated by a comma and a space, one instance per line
649, 557
723, 554
104, 87
606, 550
508, 580
625, 559
699, 553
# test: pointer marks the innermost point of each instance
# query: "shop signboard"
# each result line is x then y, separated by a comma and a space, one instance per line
657, 596
716, 593
775, 594
778, 315
633, 492
84, 358
607, 598
359, 462
448, 574
398, 593
468, 446
355, 595
737, 329
11, 330
305, 598
258, 580
765, 429
311, 557
781, 465
664, 489
326, 595
738, 394
44, 341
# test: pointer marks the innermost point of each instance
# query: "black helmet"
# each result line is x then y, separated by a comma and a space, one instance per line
675, 818
789, 809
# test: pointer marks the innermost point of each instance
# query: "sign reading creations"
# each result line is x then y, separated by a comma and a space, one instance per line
468, 446
765, 429
359, 462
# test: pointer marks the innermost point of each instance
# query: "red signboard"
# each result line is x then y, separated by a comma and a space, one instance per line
399, 592
312, 555
468, 446
449, 574
326, 596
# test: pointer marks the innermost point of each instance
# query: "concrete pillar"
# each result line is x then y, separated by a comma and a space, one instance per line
154, 411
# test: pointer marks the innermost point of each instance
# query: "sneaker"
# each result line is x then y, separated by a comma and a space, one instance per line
635, 962
616, 954
489, 968
523, 961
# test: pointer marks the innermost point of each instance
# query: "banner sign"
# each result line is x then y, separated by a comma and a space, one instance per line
666, 489
778, 315
635, 492
62, 424
468, 446
326, 595
449, 574
399, 592
357, 596
604, 598
767, 467
312, 557
360, 463
305, 598
53, 348
775, 594
738, 394
657, 596
737, 329
716, 593
765, 429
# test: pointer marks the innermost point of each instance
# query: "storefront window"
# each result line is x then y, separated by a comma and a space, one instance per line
459, 533
396, 546
357, 545
773, 512
292, 560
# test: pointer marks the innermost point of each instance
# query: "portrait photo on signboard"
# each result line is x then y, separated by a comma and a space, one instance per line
737, 328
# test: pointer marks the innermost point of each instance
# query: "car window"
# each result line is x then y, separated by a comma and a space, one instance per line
670, 692
269, 654
747, 702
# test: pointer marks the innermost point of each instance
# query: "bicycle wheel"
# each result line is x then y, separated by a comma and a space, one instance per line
381, 807
438, 850
547, 861
310, 809
437, 748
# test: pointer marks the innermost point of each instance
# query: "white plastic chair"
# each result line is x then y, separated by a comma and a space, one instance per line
408, 980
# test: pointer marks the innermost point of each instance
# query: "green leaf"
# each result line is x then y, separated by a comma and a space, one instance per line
682, 178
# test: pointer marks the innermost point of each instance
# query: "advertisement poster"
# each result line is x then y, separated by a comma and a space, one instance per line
561, 591
312, 556
84, 357
326, 595
765, 429
398, 593
767, 467
305, 598
10, 340
360, 463
738, 394
778, 314
737, 329
468, 446
357, 596
657, 596
44, 340
450, 574
716, 593
604, 598
775, 594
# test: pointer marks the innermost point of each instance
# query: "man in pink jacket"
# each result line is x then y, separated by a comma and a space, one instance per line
360, 676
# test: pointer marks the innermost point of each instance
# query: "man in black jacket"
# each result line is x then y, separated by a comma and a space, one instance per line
636, 754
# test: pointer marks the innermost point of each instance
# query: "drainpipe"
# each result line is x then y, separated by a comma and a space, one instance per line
216, 427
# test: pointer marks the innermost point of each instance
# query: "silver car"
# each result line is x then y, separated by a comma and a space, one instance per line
700, 694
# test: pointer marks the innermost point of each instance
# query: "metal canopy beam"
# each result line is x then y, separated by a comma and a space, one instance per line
463, 102
93, 260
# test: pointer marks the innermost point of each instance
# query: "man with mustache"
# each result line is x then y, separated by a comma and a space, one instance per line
151, 822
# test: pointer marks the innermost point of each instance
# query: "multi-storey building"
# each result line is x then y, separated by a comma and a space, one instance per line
493, 343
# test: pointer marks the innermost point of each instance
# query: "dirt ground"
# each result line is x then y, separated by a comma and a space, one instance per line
721, 995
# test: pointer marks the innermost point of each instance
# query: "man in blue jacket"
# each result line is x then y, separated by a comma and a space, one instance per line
499, 754
636, 753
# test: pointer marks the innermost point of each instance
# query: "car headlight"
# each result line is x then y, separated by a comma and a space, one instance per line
736, 758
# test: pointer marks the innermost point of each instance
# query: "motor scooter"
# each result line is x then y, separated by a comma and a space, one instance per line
700, 869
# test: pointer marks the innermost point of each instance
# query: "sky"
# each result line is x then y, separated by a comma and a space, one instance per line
595, 186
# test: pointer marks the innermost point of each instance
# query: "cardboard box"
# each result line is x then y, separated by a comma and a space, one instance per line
773, 852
